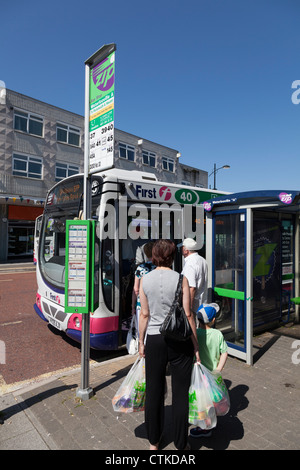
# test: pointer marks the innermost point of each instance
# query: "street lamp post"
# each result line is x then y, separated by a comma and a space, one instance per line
215, 170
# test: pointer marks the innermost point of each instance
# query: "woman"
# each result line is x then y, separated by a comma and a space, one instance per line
140, 271
157, 293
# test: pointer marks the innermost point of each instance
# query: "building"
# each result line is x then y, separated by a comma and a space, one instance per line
41, 144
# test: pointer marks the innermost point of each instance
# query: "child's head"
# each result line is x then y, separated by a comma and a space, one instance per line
207, 313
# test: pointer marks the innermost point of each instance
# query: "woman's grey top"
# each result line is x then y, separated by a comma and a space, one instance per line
159, 287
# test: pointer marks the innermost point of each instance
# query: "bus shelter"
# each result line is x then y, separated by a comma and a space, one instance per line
252, 250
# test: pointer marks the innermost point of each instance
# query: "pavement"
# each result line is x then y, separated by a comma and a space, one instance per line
45, 414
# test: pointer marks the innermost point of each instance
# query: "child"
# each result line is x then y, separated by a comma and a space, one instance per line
212, 349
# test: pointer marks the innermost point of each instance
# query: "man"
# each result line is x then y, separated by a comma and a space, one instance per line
195, 270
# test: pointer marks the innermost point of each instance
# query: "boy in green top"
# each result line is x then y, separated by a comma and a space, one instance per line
212, 348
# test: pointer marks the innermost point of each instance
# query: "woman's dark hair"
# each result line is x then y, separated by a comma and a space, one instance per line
163, 253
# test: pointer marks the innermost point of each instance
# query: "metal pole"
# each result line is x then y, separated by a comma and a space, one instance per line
249, 287
85, 392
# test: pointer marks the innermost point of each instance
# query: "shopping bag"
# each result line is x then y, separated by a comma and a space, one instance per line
132, 341
201, 409
131, 395
217, 390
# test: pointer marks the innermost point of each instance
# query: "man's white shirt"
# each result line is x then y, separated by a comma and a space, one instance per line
195, 270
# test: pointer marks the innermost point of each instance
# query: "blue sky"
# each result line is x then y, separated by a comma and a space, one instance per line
209, 78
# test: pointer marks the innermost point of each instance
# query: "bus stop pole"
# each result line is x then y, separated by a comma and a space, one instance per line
85, 392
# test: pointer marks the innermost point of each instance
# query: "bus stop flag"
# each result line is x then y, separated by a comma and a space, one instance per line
101, 109
98, 156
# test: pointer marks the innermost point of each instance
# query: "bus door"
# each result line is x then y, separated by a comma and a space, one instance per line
106, 243
151, 223
168, 222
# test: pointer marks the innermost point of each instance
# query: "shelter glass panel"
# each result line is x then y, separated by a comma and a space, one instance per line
229, 275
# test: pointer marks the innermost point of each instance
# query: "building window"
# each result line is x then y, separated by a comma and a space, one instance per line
62, 170
29, 167
149, 158
168, 164
186, 183
28, 122
126, 151
68, 134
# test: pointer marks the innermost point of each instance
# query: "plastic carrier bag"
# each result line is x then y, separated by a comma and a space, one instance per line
132, 341
131, 395
217, 390
201, 409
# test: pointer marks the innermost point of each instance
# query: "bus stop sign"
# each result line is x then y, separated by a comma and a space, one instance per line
100, 96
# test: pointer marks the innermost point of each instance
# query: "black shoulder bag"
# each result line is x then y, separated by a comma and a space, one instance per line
176, 325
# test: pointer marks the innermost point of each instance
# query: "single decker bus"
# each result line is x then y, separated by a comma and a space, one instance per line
128, 208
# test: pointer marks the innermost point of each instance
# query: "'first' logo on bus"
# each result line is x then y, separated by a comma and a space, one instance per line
165, 193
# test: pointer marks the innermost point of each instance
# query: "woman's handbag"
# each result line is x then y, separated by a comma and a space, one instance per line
176, 325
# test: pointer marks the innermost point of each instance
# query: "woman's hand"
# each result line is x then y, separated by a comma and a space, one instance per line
143, 320
197, 357
190, 315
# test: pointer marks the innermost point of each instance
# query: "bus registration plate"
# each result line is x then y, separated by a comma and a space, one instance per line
54, 323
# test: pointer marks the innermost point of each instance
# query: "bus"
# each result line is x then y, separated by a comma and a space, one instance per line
128, 208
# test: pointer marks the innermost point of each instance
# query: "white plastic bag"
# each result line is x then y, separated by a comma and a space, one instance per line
131, 395
132, 341
217, 390
201, 409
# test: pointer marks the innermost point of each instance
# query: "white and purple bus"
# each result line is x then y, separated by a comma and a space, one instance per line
129, 208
